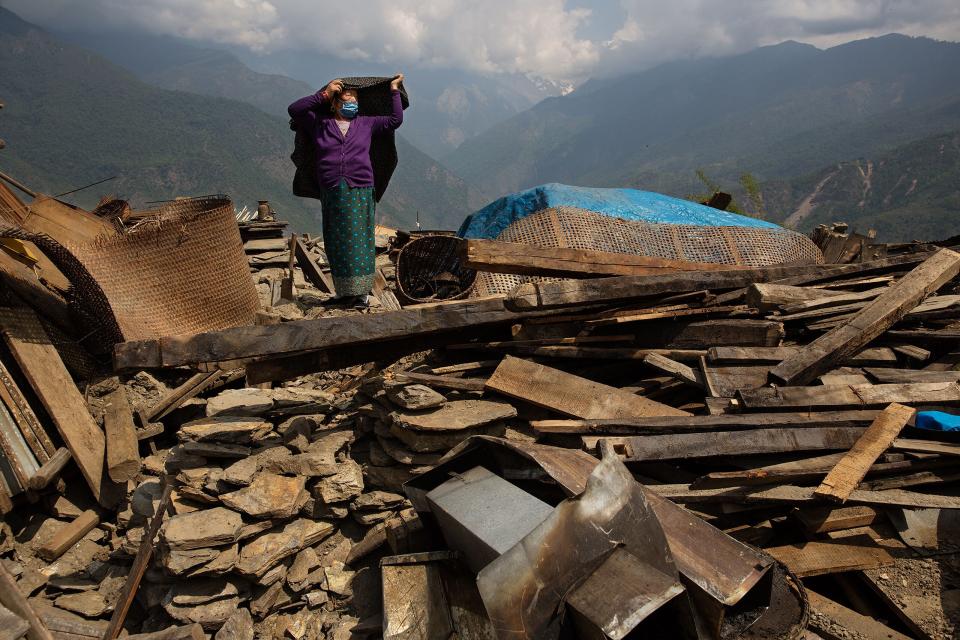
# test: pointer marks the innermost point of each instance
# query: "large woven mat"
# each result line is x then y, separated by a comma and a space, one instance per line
582, 229
181, 270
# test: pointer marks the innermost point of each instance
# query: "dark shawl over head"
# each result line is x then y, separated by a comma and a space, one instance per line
373, 96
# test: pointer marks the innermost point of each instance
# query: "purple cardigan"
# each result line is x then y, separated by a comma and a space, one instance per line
338, 156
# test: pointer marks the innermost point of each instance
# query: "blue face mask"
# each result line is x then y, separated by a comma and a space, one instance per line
349, 110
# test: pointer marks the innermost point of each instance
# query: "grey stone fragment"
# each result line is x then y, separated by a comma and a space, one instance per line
90, 604
225, 428
262, 553
415, 397
345, 485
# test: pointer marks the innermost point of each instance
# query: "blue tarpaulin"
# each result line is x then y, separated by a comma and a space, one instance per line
937, 421
628, 204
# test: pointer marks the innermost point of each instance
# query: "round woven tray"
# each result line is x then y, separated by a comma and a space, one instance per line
422, 260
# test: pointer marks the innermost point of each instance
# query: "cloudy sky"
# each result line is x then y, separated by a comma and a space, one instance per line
561, 40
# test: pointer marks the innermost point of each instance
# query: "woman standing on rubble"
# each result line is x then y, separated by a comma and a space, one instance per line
345, 175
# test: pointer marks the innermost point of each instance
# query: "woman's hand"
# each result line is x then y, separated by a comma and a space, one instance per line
334, 88
395, 83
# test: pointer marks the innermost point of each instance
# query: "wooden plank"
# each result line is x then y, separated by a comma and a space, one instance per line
388, 299
608, 353
785, 475
68, 535
824, 519
857, 395
853, 467
311, 270
675, 446
901, 376
787, 494
827, 298
724, 422
926, 446
577, 292
863, 626
532, 260
882, 313
724, 382
194, 386
569, 394
822, 558
254, 342
123, 450
443, 382
43, 368
769, 296
676, 370
879, 356
656, 314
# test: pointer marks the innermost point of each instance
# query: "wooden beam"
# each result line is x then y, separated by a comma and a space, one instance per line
311, 270
69, 535
443, 382
787, 494
43, 368
880, 356
821, 558
608, 353
139, 567
676, 370
900, 376
769, 296
855, 395
569, 394
675, 446
194, 386
239, 344
825, 519
123, 450
563, 262
537, 295
853, 467
882, 313
724, 422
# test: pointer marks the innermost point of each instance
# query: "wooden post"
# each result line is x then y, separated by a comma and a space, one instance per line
50, 469
123, 451
139, 566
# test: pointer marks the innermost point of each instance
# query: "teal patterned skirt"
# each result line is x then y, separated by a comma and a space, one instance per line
348, 237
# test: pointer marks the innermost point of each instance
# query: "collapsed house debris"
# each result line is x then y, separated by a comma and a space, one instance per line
516, 441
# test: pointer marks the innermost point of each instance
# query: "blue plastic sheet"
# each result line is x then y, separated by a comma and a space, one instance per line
628, 204
937, 421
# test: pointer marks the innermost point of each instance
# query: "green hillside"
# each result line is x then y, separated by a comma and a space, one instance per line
911, 192
73, 118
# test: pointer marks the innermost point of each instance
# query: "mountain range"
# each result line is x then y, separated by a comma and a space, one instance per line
72, 118
865, 132
778, 112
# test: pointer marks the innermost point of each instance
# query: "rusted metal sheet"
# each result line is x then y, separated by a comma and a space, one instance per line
724, 570
523, 590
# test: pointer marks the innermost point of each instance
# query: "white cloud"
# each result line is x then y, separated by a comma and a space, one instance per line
537, 37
